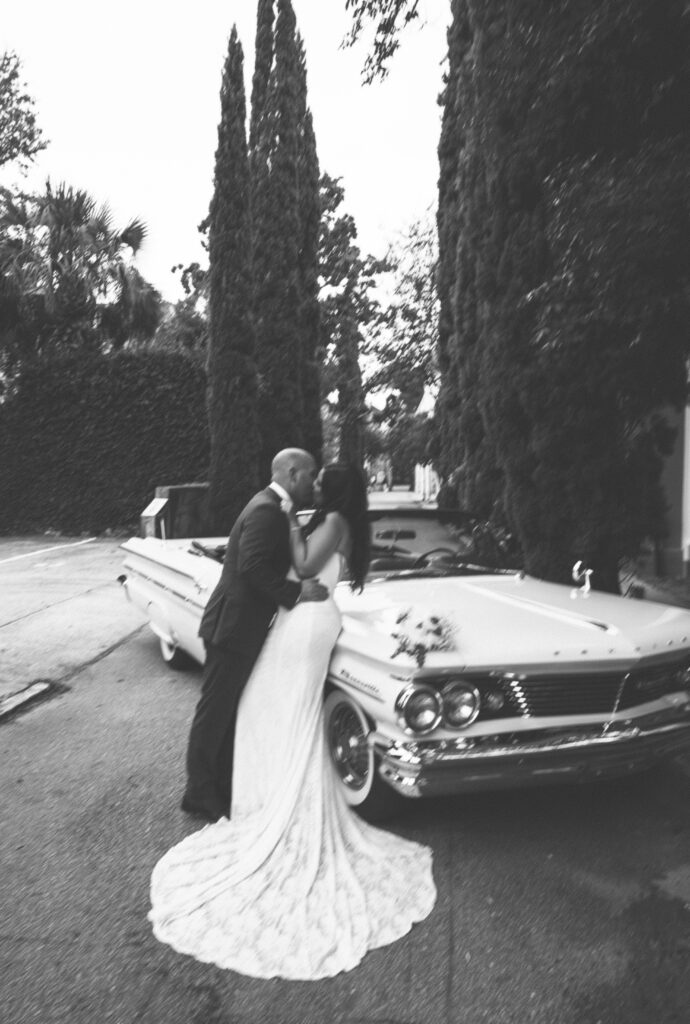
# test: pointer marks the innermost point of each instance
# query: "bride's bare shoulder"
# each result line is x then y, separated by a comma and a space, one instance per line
337, 521
341, 530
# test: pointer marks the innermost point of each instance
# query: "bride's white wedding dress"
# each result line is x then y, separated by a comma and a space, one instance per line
295, 885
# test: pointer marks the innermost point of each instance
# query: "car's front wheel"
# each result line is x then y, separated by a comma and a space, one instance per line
173, 655
347, 728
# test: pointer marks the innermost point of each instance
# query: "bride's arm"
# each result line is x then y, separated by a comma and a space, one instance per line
311, 554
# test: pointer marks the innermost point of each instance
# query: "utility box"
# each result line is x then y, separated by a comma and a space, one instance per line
152, 519
178, 510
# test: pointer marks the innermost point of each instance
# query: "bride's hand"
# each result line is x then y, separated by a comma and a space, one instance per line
313, 590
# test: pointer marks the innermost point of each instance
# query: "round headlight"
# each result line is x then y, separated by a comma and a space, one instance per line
460, 704
419, 708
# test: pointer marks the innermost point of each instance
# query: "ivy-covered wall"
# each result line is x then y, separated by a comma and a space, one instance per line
85, 441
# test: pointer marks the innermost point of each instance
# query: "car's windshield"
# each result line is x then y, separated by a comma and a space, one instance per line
415, 541
438, 541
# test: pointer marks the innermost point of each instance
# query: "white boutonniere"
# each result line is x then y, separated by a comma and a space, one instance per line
419, 631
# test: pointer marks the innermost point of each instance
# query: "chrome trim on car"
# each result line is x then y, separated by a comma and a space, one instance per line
469, 764
343, 680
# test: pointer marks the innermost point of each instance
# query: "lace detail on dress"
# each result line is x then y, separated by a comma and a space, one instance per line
295, 884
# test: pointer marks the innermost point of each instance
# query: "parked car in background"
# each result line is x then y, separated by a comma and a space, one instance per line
455, 671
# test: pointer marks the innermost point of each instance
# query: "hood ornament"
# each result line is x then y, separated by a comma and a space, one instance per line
581, 575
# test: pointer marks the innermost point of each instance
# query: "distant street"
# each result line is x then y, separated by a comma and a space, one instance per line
560, 906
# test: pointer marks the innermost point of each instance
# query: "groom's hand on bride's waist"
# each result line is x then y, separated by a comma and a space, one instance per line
312, 590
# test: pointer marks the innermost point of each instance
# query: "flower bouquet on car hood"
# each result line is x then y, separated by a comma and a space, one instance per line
419, 631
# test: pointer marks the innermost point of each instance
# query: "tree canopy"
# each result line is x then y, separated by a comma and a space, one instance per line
403, 343
66, 280
348, 308
20, 136
563, 264
389, 18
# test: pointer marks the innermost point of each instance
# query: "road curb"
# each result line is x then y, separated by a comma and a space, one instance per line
44, 687
22, 697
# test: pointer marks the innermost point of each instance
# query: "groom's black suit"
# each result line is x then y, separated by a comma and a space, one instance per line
234, 627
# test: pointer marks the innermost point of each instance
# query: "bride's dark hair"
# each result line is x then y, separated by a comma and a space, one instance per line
344, 490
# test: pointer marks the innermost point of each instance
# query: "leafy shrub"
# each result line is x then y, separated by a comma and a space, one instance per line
84, 441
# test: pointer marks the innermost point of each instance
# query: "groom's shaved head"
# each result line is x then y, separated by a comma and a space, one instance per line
295, 471
287, 459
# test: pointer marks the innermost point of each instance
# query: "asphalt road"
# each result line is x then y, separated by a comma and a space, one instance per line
561, 905
61, 607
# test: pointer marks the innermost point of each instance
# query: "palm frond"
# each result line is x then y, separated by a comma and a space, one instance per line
134, 234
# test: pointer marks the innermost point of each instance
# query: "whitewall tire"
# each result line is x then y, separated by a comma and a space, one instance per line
355, 762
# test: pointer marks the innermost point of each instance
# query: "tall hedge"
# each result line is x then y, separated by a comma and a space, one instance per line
84, 442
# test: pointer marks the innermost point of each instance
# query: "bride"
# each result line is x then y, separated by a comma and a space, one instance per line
294, 885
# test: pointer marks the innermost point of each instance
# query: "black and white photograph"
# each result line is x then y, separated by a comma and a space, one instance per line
345, 512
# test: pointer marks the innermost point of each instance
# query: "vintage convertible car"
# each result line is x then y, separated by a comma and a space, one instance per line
456, 672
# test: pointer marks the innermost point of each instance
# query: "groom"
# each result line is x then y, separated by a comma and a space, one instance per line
235, 623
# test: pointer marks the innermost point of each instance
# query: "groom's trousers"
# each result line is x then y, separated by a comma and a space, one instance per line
212, 735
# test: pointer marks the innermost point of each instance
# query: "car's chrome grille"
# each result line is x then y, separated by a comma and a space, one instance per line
552, 696
647, 684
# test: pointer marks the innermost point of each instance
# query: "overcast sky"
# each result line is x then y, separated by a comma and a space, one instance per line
128, 95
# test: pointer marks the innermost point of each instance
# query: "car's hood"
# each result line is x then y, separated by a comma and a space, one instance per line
510, 620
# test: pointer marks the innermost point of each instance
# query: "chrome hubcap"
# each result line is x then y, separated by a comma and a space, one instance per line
348, 745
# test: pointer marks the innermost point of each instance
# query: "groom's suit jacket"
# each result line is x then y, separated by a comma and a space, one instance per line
252, 583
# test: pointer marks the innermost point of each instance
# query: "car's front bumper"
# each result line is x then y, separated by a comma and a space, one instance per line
517, 759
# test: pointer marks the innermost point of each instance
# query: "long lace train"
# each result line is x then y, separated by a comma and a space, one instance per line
295, 884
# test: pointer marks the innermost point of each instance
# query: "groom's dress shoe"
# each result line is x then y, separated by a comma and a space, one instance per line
209, 810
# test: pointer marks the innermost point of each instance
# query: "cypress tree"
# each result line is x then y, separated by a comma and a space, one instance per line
464, 441
448, 404
232, 382
570, 274
310, 217
263, 62
262, 144
276, 219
